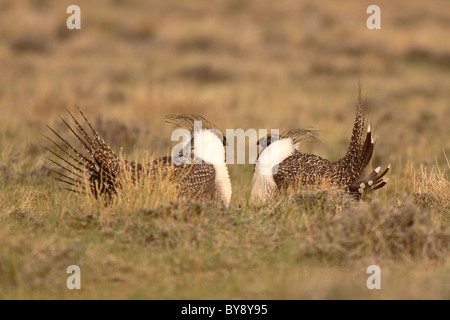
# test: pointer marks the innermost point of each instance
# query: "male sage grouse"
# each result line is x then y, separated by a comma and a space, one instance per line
281, 165
200, 173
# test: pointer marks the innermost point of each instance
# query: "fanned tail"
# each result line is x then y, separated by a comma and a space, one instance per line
98, 164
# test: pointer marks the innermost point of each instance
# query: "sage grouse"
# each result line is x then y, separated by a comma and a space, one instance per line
200, 173
280, 164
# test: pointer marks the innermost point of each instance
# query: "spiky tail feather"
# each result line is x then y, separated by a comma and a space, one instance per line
358, 156
100, 167
372, 182
361, 145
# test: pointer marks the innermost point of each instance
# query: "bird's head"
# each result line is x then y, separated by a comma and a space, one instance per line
206, 142
296, 136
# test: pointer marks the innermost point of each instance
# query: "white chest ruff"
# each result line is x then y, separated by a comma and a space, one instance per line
263, 182
209, 147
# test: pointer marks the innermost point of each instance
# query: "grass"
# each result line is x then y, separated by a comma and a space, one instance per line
241, 65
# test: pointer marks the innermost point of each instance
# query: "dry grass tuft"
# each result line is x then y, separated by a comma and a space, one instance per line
242, 64
378, 230
433, 191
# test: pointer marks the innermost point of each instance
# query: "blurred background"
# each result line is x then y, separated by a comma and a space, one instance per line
241, 64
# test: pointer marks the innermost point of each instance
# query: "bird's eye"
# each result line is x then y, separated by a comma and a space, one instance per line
224, 140
264, 140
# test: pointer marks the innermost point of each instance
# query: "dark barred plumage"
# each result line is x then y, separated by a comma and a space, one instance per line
197, 180
105, 173
300, 170
308, 169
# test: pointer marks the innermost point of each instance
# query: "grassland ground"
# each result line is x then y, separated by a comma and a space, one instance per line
240, 64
